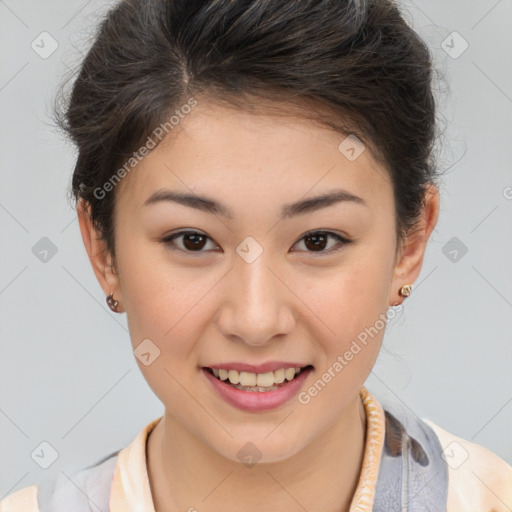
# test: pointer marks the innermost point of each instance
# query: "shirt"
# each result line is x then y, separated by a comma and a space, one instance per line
408, 464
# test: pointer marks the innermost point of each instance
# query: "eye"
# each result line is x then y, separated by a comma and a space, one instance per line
193, 241
315, 241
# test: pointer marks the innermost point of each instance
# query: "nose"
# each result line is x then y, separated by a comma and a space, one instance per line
257, 304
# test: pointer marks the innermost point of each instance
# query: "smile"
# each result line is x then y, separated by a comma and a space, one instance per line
257, 392
256, 382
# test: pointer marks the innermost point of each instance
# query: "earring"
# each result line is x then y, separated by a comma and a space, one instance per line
405, 291
112, 304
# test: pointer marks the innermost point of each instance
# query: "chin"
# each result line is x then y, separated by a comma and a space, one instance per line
259, 449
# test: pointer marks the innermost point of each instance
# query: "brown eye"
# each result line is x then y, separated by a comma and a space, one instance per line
317, 241
192, 241
314, 241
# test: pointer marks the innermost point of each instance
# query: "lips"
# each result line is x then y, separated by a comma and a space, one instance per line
257, 399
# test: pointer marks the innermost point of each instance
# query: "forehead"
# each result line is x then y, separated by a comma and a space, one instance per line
217, 150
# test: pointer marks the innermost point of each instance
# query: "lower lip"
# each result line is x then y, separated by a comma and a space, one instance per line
255, 401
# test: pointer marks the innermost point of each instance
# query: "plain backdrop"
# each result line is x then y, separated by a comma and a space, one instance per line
67, 372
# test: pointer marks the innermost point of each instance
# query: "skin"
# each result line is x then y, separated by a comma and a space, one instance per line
291, 303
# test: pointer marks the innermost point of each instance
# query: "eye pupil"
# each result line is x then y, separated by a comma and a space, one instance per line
194, 238
316, 245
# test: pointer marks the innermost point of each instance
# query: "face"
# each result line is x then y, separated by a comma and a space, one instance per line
255, 280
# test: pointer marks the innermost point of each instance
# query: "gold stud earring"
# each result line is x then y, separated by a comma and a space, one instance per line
405, 291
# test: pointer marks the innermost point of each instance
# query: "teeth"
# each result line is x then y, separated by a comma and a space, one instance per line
262, 380
246, 378
233, 376
289, 373
279, 376
265, 380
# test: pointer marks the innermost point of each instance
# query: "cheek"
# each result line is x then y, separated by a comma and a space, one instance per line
352, 295
354, 309
167, 310
352, 303
165, 305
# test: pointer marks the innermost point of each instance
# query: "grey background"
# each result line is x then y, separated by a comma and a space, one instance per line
68, 375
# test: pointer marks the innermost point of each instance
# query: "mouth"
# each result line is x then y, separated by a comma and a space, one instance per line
257, 382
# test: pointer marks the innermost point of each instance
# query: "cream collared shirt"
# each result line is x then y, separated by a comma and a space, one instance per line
482, 484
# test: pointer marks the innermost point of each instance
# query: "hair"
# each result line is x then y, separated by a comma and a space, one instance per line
355, 66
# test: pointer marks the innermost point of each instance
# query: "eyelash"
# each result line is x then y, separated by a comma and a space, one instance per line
342, 241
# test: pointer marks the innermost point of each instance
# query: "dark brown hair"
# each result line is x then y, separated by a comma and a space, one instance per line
354, 65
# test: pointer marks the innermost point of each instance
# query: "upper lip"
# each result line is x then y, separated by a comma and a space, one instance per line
271, 366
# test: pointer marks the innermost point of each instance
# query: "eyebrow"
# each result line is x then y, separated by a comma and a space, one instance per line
288, 210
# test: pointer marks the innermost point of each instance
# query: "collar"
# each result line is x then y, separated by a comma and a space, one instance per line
131, 491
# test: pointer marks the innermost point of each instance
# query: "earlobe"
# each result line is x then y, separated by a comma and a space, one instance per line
99, 256
410, 262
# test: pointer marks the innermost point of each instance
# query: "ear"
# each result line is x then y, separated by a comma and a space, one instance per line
99, 256
410, 259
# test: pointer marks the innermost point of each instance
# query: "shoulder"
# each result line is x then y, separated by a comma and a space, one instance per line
85, 490
63, 494
437, 470
23, 500
478, 478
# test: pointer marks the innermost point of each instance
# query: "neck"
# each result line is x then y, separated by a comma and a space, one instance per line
323, 476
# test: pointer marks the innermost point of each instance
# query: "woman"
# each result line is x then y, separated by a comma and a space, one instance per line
255, 189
